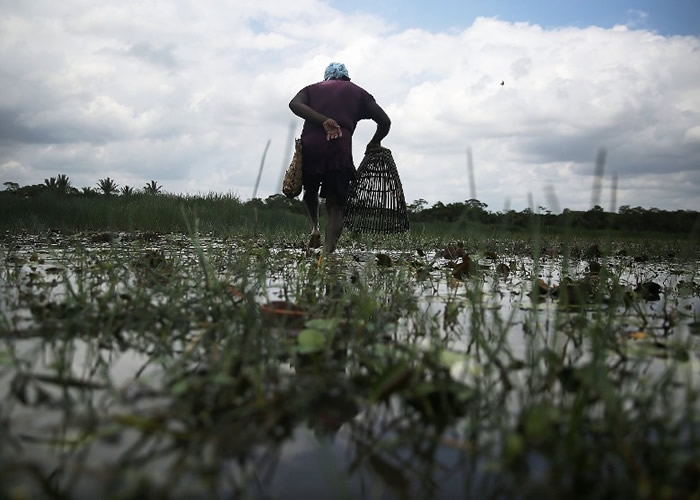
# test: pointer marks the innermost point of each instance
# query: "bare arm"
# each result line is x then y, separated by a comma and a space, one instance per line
377, 114
300, 107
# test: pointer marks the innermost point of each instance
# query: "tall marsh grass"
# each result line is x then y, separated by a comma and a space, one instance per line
220, 214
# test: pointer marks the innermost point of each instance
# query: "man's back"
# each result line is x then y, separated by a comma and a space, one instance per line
346, 102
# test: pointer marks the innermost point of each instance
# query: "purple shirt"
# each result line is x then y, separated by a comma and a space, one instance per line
347, 104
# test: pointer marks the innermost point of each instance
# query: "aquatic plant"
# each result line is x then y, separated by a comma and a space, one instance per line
163, 365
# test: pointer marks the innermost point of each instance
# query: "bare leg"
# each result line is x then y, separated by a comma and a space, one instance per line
334, 227
311, 202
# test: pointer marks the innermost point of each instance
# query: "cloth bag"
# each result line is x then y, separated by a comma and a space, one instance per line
291, 185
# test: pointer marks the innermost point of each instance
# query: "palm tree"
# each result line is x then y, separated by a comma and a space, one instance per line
152, 188
51, 183
89, 191
127, 191
60, 184
63, 184
108, 186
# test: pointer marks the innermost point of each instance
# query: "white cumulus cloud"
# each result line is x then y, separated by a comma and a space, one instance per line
188, 93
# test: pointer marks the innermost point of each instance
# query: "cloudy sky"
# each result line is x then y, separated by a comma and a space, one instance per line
188, 93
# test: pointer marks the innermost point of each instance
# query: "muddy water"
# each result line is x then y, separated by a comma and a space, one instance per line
334, 456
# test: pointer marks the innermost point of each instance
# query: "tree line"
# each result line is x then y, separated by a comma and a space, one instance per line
627, 218
468, 212
473, 211
61, 184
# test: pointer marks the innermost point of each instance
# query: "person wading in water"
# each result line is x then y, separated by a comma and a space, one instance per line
331, 110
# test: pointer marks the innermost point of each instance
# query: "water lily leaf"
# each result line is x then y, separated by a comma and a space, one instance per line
502, 268
649, 291
311, 340
384, 260
453, 251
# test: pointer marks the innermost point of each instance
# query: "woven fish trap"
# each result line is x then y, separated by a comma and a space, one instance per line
376, 203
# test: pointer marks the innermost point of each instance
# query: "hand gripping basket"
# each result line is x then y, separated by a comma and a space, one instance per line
376, 203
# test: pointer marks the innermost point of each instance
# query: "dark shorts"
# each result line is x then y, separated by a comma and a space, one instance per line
327, 165
336, 183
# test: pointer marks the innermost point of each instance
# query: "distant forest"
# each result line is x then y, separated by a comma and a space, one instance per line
626, 218
472, 211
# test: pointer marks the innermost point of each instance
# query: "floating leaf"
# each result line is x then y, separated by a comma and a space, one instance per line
453, 251
311, 340
502, 268
575, 293
384, 260
465, 268
649, 291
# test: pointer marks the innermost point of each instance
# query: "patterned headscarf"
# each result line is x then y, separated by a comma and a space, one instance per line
336, 71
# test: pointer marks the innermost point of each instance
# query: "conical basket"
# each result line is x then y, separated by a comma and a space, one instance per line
376, 203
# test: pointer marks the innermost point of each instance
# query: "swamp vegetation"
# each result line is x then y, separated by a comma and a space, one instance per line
142, 363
